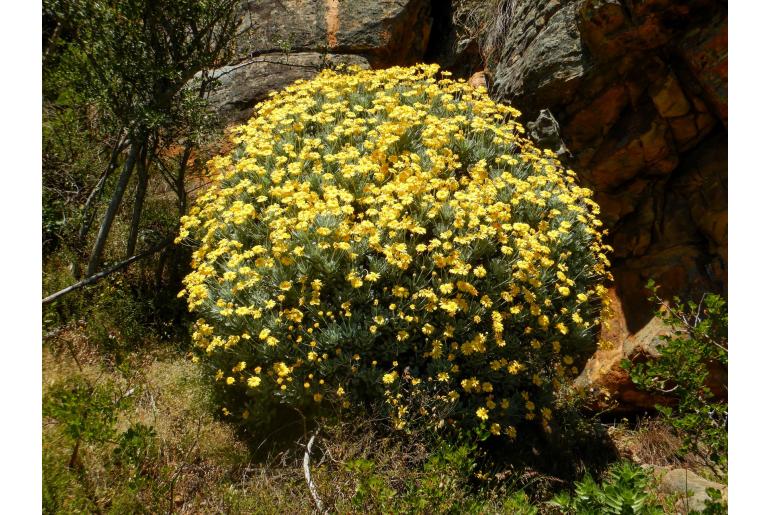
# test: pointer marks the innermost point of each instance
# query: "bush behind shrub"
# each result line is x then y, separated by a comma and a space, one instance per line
392, 235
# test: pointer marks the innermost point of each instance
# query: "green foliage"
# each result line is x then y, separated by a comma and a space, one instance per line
126, 75
624, 492
446, 472
371, 488
134, 445
694, 352
119, 315
519, 503
715, 505
103, 42
87, 413
444, 484
71, 164
87, 417
100, 453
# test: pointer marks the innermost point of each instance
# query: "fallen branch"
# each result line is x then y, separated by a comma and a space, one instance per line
92, 279
306, 464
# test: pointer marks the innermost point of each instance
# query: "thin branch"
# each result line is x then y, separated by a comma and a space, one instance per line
92, 279
166, 174
141, 191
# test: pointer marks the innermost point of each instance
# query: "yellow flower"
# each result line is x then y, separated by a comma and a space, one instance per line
281, 369
254, 381
482, 413
389, 378
355, 281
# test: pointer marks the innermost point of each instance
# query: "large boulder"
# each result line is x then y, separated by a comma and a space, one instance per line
280, 41
244, 84
691, 488
637, 89
385, 32
605, 383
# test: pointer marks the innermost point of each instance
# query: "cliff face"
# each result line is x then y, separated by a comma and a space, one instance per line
639, 92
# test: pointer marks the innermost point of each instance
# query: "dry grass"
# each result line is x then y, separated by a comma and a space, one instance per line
198, 464
487, 22
193, 453
653, 442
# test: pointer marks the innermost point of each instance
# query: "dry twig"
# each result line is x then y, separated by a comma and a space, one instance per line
311, 486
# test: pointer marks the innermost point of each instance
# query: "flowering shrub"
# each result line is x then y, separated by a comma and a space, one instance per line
392, 235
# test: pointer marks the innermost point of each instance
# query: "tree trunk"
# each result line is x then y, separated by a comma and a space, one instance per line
141, 190
88, 215
51, 42
112, 209
181, 192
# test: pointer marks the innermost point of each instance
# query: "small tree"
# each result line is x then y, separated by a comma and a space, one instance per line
133, 61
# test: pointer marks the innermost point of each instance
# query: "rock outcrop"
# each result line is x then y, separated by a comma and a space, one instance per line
639, 90
244, 84
605, 383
